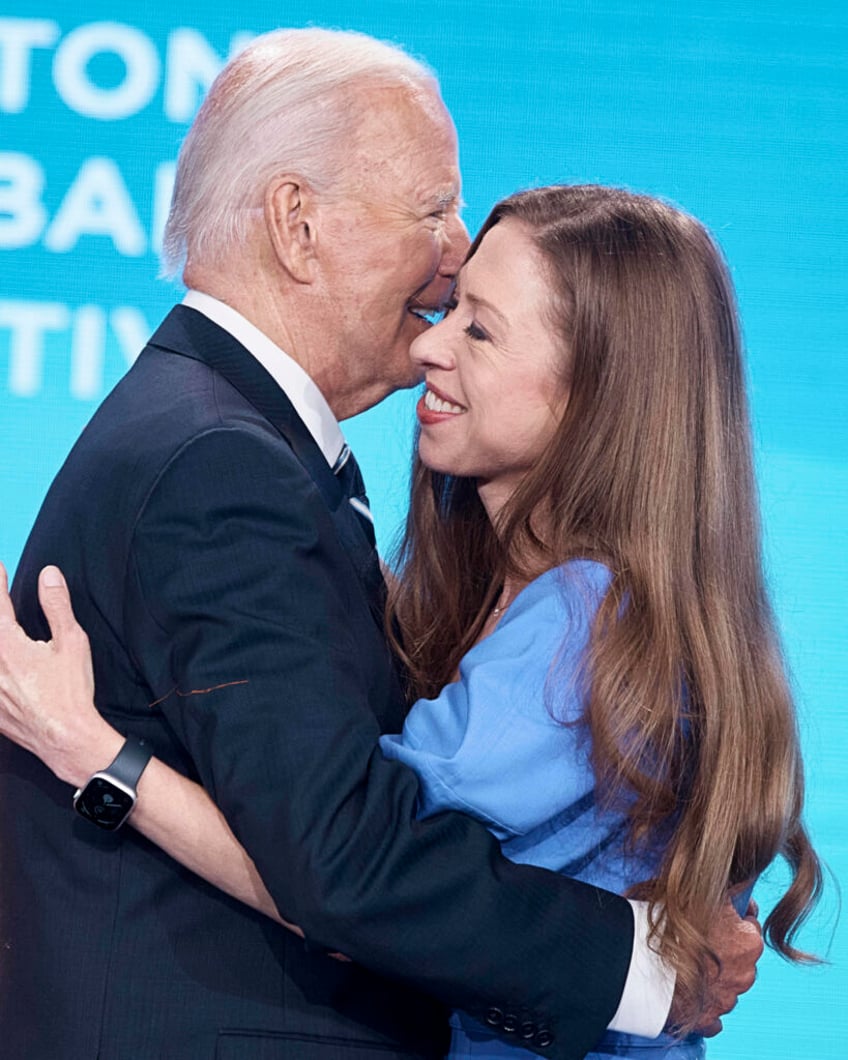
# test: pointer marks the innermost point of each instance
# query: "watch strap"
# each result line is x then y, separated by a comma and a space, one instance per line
130, 762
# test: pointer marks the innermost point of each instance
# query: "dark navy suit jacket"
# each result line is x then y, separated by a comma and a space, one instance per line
233, 604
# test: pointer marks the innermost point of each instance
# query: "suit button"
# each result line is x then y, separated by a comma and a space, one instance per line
494, 1017
543, 1038
510, 1023
527, 1030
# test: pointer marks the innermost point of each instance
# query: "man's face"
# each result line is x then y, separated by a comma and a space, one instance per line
395, 242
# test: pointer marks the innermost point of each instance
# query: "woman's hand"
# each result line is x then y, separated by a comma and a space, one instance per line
47, 688
47, 706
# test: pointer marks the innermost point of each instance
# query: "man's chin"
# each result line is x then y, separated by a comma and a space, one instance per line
409, 375
406, 382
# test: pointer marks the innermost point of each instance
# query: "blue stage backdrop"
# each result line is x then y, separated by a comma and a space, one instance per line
736, 111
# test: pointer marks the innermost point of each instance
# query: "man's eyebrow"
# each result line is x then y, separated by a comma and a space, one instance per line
444, 199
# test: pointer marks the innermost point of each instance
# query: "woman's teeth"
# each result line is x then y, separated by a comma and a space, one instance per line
437, 404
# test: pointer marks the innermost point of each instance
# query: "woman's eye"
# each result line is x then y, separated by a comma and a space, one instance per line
450, 304
474, 331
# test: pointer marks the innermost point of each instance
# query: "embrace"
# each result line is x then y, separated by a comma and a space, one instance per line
501, 799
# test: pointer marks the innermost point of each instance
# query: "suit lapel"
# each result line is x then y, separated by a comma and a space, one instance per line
189, 333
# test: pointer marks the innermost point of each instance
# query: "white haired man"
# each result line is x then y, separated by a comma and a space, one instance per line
226, 575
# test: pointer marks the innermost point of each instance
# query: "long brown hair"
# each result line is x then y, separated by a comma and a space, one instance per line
689, 712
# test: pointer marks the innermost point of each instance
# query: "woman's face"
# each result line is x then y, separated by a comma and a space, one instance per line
493, 369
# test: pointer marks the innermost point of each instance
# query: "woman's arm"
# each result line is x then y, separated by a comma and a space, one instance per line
47, 706
178, 815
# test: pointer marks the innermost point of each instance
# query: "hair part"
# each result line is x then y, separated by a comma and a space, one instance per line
650, 472
288, 103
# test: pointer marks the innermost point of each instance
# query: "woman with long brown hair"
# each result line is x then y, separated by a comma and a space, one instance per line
591, 565
580, 604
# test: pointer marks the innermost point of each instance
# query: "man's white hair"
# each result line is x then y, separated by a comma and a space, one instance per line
284, 104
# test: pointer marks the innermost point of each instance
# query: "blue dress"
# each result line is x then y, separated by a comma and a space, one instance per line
494, 745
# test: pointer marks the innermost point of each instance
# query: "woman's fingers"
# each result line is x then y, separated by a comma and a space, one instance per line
55, 602
47, 688
7, 612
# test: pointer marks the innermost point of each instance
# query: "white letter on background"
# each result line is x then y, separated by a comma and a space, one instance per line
22, 213
131, 329
131, 46
28, 321
97, 203
18, 36
191, 67
87, 352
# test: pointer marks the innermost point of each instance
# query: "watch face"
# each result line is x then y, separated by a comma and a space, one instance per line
104, 803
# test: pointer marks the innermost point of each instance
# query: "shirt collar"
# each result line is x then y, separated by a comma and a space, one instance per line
308, 401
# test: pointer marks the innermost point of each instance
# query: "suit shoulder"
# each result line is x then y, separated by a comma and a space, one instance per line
169, 415
162, 404
176, 396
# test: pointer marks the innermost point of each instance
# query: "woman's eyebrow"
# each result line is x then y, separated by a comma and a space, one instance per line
478, 300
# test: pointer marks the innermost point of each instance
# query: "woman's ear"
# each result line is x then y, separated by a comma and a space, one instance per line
290, 218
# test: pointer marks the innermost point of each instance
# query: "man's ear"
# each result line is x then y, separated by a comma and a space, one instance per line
290, 217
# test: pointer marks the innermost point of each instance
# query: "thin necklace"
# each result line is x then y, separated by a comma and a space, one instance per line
504, 600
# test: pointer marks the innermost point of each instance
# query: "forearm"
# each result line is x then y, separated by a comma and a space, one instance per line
177, 815
172, 811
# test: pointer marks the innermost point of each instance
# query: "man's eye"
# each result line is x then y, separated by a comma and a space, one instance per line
440, 213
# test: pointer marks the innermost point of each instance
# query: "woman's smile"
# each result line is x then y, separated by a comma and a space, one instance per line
436, 407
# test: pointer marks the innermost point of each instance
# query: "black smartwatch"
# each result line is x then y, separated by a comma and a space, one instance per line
108, 798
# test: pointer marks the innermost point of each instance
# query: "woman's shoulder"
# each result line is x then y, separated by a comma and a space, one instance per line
569, 591
541, 640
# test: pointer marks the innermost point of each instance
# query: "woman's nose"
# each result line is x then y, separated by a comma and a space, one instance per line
433, 348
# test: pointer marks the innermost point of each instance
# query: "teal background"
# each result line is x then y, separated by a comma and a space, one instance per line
736, 111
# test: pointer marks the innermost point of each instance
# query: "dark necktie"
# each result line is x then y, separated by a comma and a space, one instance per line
350, 478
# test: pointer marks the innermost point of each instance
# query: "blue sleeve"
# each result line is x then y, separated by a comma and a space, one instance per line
496, 744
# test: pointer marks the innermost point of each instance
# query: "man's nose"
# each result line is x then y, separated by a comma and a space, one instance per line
455, 247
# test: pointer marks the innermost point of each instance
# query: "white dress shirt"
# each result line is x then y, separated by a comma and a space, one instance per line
309, 403
649, 987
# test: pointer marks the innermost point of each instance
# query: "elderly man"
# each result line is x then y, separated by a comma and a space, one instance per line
211, 524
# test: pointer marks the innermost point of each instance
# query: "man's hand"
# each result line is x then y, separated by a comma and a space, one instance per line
47, 688
738, 944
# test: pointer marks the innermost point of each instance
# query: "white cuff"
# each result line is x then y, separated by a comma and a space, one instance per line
649, 987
